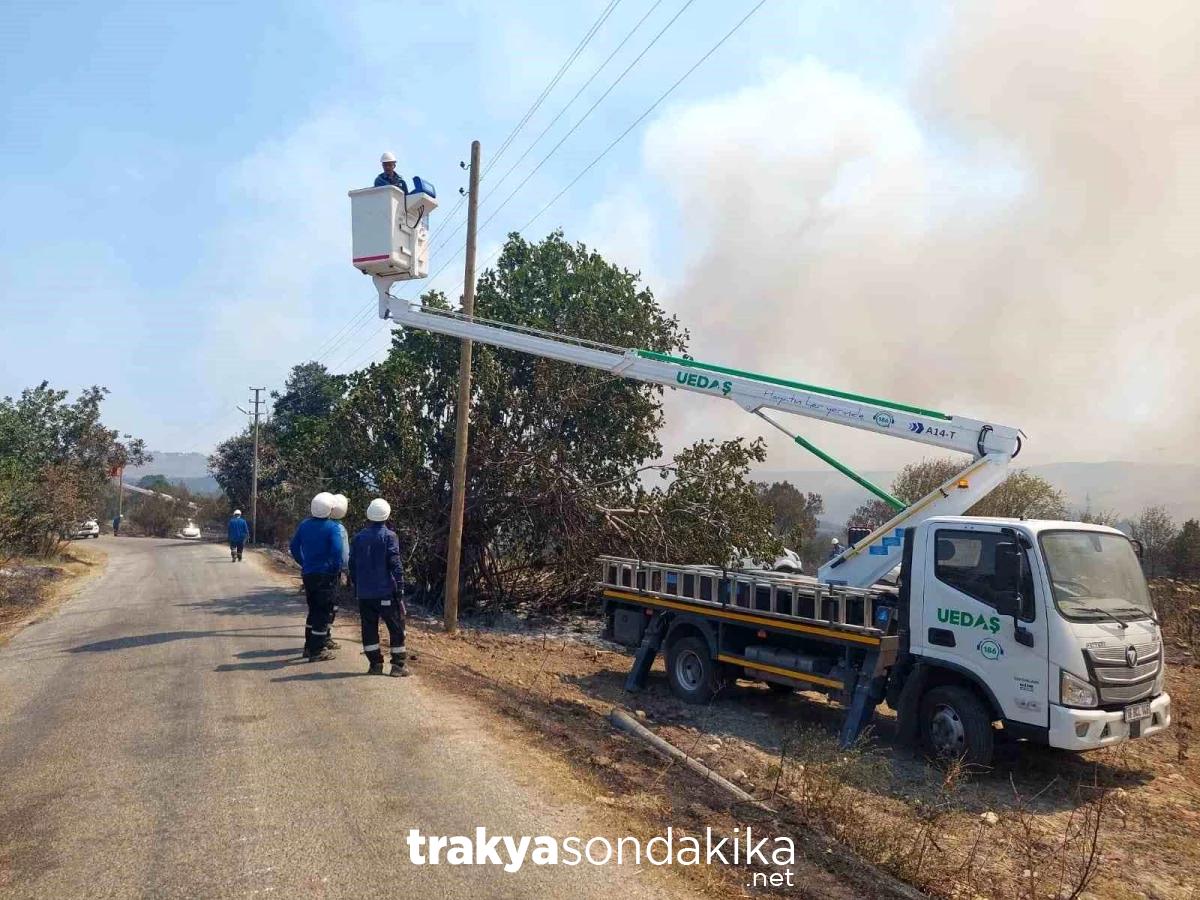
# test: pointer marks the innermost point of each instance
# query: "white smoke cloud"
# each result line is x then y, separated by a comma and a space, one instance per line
1012, 238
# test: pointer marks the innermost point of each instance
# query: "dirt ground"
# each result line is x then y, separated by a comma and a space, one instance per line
1123, 822
31, 589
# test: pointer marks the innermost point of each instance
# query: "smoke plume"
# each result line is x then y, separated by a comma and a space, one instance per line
1014, 235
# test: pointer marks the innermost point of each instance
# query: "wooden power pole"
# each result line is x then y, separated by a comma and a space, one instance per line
254, 478
459, 486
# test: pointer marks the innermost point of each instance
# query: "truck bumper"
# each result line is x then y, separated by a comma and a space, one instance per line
1087, 729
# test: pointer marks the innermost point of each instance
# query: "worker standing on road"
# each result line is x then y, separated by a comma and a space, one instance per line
340, 506
388, 175
116, 525
317, 546
377, 573
238, 530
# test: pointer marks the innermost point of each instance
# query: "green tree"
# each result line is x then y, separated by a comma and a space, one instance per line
155, 483
1157, 533
1185, 551
55, 458
794, 515
1021, 495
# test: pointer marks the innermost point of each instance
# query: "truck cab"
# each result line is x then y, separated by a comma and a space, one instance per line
1044, 627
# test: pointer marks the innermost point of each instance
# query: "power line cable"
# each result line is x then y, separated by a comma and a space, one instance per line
617, 140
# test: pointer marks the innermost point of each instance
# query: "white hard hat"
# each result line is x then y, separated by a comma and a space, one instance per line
340, 506
836, 542
379, 510
237, 512
321, 505
387, 157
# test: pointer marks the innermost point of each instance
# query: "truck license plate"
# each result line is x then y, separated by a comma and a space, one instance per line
1137, 711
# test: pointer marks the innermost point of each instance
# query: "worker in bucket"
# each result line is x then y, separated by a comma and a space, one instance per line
340, 506
835, 548
317, 547
388, 175
377, 573
238, 530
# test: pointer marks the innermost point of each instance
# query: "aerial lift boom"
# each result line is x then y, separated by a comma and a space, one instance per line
991, 446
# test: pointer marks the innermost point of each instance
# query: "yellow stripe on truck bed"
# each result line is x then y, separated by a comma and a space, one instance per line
743, 617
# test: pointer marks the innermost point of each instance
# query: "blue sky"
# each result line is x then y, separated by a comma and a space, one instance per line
174, 175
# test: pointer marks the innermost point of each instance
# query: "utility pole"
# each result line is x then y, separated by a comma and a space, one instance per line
459, 485
254, 480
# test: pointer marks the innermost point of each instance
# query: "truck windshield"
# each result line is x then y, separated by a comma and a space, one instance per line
1095, 576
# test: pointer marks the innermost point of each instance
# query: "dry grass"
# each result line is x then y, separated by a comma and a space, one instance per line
32, 587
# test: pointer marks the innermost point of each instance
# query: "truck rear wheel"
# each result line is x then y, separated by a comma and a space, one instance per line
956, 725
691, 670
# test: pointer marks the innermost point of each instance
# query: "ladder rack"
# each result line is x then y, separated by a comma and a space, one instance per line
791, 598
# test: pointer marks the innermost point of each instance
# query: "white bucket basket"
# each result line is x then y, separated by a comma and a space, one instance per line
391, 231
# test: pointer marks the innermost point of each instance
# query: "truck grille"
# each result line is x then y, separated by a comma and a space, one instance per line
1118, 681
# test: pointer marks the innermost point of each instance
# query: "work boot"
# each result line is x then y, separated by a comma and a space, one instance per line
376, 669
322, 655
331, 644
399, 671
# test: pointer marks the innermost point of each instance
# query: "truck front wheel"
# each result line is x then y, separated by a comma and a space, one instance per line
691, 670
956, 725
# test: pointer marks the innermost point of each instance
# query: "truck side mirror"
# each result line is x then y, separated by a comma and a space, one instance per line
1139, 549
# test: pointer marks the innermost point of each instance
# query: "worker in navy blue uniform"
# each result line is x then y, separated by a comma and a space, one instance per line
377, 573
388, 175
238, 530
317, 546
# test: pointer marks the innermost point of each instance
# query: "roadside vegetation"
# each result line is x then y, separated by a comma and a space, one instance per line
56, 458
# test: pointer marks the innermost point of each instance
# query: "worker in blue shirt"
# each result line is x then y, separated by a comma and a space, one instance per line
238, 530
388, 175
377, 573
317, 546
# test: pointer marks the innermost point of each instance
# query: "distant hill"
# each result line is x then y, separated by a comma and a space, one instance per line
1125, 488
171, 466
189, 468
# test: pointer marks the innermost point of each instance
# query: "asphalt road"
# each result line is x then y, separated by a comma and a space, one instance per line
160, 737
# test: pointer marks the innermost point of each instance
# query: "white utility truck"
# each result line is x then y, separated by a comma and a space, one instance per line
999, 628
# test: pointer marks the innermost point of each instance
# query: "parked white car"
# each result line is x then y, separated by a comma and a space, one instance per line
88, 528
190, 530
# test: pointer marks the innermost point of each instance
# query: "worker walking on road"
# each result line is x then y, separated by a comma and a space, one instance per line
238, 530
341, 504
317, 547
377, 573
388, 175
116, 525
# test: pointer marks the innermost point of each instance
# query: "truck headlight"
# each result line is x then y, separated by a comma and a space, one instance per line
1076, 692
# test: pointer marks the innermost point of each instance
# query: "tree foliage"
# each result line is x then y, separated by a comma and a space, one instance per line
55, 457
1185, 551
1157, 532
1021, 495
794, 515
